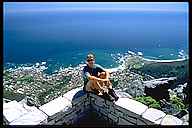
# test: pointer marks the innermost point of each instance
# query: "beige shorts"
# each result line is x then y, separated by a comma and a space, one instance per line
98, 85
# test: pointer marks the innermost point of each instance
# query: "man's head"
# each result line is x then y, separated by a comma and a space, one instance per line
90, 59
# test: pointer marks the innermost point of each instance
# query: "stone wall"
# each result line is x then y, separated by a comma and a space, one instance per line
75, 104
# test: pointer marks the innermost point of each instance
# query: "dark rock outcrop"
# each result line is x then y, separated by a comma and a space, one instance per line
158, 88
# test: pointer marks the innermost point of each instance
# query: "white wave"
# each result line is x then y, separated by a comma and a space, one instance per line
119, 68
176, 60
43, 63
181, 53
27, 68
132, 53
140, 53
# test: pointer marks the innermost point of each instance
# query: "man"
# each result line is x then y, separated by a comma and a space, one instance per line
96, 79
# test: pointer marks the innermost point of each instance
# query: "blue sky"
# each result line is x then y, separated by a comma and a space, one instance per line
17, 7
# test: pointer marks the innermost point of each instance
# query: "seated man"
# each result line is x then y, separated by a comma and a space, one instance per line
96, 79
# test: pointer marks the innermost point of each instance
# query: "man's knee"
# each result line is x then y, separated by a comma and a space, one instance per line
102, 75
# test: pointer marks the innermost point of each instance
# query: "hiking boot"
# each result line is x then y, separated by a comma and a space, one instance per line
113, 94
107, 96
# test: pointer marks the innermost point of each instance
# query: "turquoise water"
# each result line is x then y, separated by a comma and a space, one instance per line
64, 39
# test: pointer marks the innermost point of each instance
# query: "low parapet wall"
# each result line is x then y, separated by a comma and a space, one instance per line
75, 104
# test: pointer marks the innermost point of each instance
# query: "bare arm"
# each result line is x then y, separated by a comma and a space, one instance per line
107, 75
94, 78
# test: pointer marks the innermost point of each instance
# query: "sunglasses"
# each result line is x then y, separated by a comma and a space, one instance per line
90, 60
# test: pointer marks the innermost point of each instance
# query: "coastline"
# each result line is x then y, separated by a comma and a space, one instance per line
166, 61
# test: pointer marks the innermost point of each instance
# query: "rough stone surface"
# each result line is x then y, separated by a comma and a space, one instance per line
124, 122
60, 111
185, 123
32, 118
69, 95
158, 88
13, 107
113, 117
122, 94
140, 122
185, 118
146, 121
153, 115
55, 106
100, 102
171, 120
131, 105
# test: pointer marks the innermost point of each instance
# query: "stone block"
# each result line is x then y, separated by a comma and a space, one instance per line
61, 114
140, 122
111, 109
126, 112
146, 121
124, 122
13, 110
58, 119
51, 122
69, 95
171, 120
127, 115
109, 103
79, 110
185, 123
71, 116
79, 100
35, 117
153, 115
113, 117
79, 104
105, 117
100, 102
92, 100
87, 107
94, 96
131, 105
185, 118
59, 122
104, 112
86, 103
131, 119
120, 114
96, 108
44, 122
55, 106
122, 94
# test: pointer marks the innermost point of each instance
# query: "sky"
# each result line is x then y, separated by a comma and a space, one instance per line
21, 7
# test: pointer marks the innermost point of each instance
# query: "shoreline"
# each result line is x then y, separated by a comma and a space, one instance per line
114, 69
166, 61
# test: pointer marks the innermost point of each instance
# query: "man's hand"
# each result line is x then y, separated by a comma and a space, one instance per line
105, 80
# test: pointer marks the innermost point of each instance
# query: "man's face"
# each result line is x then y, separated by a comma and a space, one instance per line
91, 62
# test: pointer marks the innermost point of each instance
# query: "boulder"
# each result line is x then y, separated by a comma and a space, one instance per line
158, 88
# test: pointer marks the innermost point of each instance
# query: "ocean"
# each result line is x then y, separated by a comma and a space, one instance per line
63, 39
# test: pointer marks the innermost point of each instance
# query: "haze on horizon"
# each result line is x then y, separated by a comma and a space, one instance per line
15, 7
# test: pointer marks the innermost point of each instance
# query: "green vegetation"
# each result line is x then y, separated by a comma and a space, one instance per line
176, 101
134, 62
149, 101
170, 69
12, 96
27, 78
114, 82
7, 75
53, 91
65, 79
